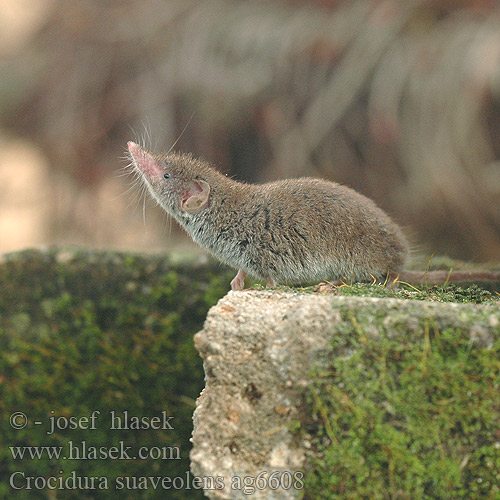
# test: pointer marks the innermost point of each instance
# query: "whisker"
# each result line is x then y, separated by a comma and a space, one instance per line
132, 186
181, 134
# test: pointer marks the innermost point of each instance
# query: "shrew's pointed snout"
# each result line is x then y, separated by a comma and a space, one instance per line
145, 161
133, 148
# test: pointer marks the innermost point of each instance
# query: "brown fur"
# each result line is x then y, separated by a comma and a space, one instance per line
290, 231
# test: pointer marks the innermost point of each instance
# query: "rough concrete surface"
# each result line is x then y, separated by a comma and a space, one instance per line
258, 349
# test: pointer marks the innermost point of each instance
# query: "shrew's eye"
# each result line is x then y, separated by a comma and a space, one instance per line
166, 175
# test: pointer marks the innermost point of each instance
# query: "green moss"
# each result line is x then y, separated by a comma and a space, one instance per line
451, 293
82, 331
409, 415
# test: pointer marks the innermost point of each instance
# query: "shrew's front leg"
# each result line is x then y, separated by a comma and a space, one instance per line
238, 282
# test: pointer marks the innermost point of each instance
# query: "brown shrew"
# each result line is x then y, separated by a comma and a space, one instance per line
293, 231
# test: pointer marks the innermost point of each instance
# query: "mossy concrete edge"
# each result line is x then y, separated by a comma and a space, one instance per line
260, 350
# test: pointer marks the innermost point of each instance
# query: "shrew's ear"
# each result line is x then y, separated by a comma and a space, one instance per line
196, 198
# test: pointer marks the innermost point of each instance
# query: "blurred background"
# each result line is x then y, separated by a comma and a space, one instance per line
399, 99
